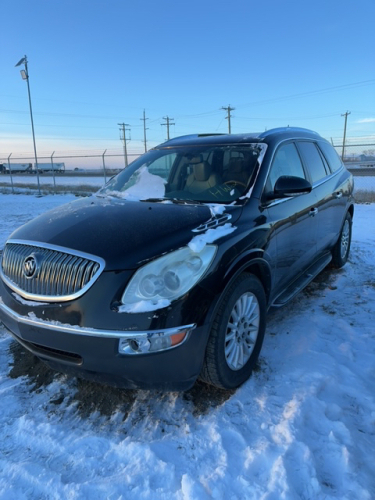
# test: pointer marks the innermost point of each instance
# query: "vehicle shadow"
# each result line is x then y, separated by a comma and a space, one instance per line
91, 397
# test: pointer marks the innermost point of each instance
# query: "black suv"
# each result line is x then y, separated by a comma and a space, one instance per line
166, 274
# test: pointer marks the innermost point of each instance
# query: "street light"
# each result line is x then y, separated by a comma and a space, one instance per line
25, 76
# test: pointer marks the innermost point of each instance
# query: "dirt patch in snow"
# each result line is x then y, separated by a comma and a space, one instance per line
25, 364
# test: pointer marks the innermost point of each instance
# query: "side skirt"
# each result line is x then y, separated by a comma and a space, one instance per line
302, 281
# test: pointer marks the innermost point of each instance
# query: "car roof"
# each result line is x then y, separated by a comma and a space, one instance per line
226, 139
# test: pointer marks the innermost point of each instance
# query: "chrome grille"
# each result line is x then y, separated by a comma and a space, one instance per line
59, 275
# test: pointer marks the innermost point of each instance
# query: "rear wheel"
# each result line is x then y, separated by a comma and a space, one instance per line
340, 251
237, 334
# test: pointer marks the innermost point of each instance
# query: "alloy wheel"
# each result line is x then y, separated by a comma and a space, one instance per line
345, 235
242, 331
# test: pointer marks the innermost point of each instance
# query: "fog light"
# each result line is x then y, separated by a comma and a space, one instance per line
134, 346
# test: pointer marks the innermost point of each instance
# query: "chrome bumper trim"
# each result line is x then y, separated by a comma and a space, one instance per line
91, 332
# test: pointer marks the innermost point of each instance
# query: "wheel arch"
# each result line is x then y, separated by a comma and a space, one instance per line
254, 263
216, 369
351, 211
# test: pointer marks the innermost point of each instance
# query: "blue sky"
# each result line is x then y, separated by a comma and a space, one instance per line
95, 64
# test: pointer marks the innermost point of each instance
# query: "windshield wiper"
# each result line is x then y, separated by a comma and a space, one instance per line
153, 200
187, 201
174, 200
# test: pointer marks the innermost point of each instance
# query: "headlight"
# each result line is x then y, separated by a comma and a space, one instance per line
166, 279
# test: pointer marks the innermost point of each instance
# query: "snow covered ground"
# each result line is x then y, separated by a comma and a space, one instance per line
303, 426
47, 179
364, 183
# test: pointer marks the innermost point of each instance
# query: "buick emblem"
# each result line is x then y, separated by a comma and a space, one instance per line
29, 266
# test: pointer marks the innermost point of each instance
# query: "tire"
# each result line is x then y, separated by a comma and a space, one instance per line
236, 335
340, 251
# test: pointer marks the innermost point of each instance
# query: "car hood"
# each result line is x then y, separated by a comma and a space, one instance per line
124, 233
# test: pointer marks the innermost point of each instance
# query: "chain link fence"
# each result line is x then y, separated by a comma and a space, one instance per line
359, 159
78, 173
357, 155
85, 173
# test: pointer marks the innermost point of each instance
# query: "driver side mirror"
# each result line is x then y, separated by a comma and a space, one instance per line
288, 185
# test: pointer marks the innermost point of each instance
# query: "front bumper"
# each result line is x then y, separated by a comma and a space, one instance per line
94, 353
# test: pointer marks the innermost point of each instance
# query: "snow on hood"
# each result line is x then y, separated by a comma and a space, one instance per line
198, 242
216, 208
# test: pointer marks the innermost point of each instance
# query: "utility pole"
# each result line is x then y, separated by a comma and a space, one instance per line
228, 110
144, 129
343, 142
168, 120
123, 129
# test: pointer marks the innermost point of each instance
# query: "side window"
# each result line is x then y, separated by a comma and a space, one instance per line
313, 160
285, 162
331, 156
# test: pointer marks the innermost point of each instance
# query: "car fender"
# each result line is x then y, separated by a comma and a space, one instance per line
251, 261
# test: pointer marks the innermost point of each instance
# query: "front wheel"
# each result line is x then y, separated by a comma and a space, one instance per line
237, 334
340, 251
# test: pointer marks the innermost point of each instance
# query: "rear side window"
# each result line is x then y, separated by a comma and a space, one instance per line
331, 156
313, 160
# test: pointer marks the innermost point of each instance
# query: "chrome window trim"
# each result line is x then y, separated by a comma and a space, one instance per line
278, 201
53, 298
317, 184
327, 178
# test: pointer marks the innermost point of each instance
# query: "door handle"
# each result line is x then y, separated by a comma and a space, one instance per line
338, 194
313, 212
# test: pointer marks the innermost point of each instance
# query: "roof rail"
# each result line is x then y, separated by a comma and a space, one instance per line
190, 136
287, 129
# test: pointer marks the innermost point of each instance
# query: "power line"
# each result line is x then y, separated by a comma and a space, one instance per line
323, 90
311, 92
69, 115
265, 101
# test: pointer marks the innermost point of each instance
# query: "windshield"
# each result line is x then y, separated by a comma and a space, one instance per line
212, 174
